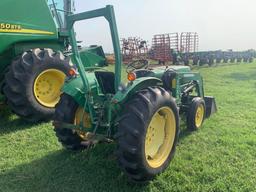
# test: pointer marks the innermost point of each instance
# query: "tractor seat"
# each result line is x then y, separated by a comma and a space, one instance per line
167, 78
106, 81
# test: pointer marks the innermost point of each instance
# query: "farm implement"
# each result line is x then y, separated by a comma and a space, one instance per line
142, 116
180, 49
217, 57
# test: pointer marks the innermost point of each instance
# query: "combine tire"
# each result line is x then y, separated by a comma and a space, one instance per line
68, 111
147, 134
33, 83
196, 114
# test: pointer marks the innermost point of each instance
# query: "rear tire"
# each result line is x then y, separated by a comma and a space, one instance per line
196, 114
66, 112
134, 141
19, 87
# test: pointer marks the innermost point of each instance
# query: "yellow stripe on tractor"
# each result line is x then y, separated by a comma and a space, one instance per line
27, 31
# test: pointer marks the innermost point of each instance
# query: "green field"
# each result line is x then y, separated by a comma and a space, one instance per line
219, 157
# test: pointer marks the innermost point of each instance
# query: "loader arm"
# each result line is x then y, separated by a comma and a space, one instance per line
108, 14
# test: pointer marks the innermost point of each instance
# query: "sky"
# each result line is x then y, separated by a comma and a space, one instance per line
221, 24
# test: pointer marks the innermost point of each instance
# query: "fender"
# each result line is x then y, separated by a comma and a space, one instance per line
75, 88
141, 83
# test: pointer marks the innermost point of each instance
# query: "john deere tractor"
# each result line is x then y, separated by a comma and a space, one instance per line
32, 67
142, 116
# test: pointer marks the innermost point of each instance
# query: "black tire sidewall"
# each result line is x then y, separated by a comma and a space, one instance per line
173, 107
24, 70
133, 125
49, 64
65, 113
196, 102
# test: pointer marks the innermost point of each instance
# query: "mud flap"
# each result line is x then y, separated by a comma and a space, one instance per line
210, 106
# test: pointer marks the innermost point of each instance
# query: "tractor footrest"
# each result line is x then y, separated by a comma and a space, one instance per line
210, 105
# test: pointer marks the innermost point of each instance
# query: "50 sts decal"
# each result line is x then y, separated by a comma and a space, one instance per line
10, 26
13, 28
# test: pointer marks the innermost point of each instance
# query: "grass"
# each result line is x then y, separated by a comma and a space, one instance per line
219, 157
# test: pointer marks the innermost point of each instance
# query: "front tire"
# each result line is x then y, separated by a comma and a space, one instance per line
147, 134
196, 114
33, 83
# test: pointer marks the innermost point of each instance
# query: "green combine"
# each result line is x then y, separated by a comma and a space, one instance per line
142, 116
34, 53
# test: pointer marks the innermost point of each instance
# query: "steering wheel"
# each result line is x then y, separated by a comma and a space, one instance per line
137, 64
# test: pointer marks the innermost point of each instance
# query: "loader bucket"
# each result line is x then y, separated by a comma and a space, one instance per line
210, 106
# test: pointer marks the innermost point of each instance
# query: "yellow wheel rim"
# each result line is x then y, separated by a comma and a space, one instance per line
47, 87
199, 115
82, 118
160, 137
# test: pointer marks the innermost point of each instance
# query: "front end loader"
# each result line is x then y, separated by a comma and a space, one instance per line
142, 116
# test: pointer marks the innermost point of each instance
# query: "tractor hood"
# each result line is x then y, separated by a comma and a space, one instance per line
181, 69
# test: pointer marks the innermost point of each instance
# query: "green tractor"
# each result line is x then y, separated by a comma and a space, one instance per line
142, 116
32, 66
